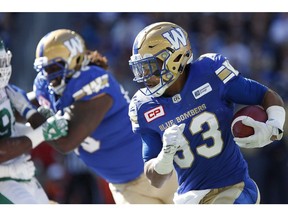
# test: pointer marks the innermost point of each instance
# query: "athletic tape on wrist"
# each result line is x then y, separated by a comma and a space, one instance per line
164, 163
36, 136
28, 112
276, 116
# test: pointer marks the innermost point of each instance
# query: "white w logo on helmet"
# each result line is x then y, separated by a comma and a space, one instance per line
175, 37
74, 45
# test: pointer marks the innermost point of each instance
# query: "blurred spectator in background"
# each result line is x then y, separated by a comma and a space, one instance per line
5, 27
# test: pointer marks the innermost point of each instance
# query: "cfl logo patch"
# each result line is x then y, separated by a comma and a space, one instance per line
154, 114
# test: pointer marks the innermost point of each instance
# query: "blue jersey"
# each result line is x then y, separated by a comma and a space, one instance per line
112, 150
213, 159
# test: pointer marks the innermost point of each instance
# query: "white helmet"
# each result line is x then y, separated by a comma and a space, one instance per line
162, 41
5, 65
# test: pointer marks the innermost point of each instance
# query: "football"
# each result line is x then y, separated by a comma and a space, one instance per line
240, 130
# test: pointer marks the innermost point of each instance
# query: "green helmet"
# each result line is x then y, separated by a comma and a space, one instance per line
5, 65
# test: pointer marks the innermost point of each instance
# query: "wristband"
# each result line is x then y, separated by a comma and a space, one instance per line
36, 136
164, 163
276, 115
28, 112
276, 118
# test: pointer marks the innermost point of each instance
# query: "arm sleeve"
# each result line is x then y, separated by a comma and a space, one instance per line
18, 89
242, 90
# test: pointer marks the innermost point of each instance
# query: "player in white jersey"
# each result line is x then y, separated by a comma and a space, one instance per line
18, 184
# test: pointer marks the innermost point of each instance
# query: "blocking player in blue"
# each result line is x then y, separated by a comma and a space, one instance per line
96, 106
184, 114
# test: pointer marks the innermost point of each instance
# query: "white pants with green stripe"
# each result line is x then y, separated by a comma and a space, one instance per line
22, 192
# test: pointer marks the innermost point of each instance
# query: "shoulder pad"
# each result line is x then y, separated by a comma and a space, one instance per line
220, 65
136, 102
88, 83
216, 57
211, 56
133, 113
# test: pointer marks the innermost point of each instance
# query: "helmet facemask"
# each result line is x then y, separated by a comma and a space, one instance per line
5, 65
55, 70
145, 68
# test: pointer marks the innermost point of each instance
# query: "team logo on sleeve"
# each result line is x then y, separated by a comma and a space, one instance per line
154, 113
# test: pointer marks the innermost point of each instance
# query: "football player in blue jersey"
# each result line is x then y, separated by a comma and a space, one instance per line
18, 184
74, 81
184, 113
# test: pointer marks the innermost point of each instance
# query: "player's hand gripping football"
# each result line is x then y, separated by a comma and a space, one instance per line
173, 140
263, 134
20, 102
